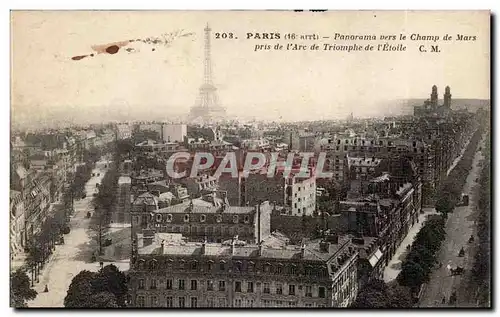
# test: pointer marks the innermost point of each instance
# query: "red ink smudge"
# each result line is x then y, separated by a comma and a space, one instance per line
113, 49
79, 57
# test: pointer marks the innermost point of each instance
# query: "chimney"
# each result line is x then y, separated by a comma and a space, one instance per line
358, 241
162, 247
203, 246
302, 249
332, 238
233, 245
260, 248
324, 246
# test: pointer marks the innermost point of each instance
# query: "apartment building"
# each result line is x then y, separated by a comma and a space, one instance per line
168, 272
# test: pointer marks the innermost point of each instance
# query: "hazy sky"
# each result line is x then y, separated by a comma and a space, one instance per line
292, 85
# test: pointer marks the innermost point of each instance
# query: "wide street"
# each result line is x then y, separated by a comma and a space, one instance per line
392, 270
459, 227
74, 255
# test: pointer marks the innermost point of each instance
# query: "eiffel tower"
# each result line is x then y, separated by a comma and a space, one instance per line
207, 108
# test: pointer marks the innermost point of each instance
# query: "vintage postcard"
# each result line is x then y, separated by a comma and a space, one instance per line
250, 159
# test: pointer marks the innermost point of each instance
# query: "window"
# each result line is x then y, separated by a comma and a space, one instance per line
291, 289
194, 301
237, 302
222, 286
222, 302
293, 269
210, 302
169, 284
210, 285
182, 302
267, 267
219, 218
141, 302
182, 264
153, 284
194, 265
322, 292
169, 218
222, 265
181, 285
203, 218
186, 218
210, 265
266, 288
247, 219
169, 302
309, 291
249, 302
279, 289
154, 301
194, 285
141, 284
250, 287
237, 266
237, 286
235, 219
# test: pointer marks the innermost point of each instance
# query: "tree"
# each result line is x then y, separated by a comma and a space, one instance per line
20, 289
111, 280
80, 290
412, 275
400, 297
103, 300
105, 289
373, 295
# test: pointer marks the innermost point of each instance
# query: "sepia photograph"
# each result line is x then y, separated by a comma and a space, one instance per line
295, 159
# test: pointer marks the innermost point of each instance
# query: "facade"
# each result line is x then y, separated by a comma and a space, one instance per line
17, 224
121, 213
174, 132
387, 213
200, 219
35, 192
167, 273
123, 131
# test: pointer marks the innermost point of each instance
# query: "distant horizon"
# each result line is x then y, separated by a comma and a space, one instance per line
406, 104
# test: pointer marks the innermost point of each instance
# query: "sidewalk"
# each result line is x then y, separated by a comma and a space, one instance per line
392, 270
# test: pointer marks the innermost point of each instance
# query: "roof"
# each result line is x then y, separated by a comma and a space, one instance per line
364, 162
201, 206
124, 180
21, 172
382, 178
145, 199
179, 248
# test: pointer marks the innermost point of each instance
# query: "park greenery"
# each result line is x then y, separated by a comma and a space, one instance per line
377, 294
20, 289
104, 289
422, 257
105, 200
450, 191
